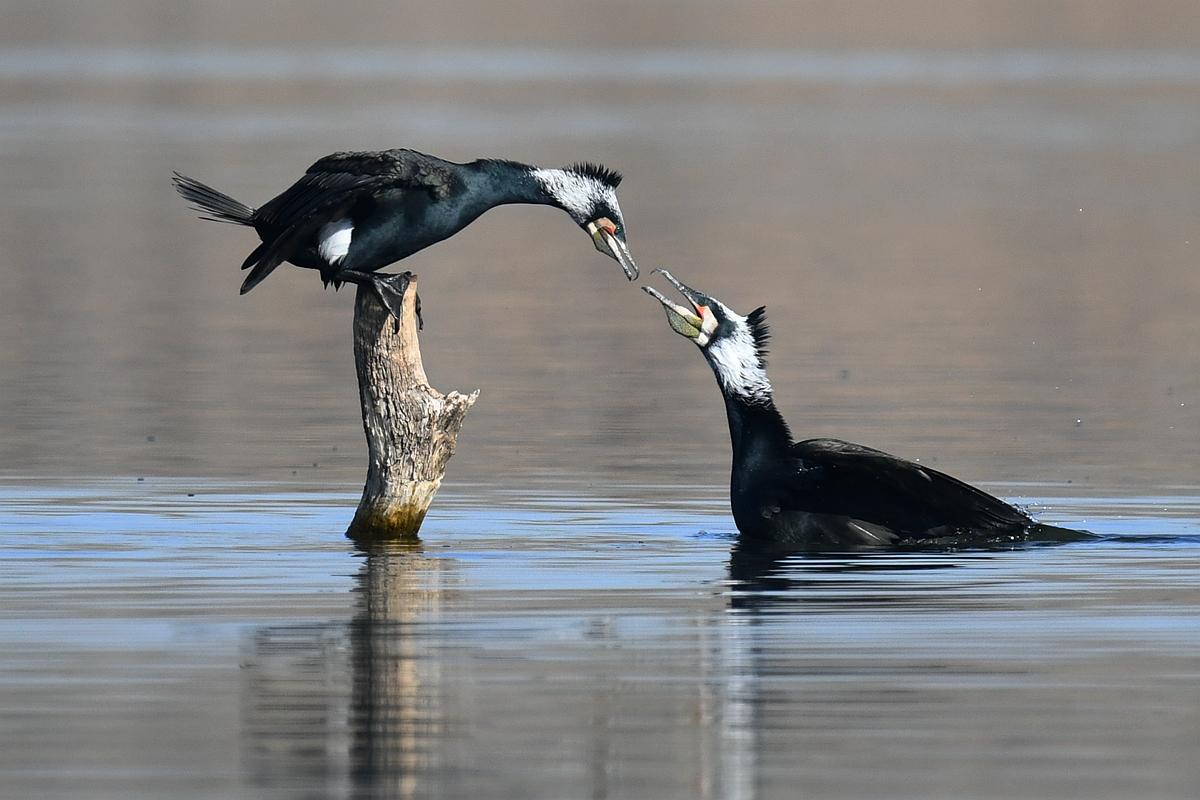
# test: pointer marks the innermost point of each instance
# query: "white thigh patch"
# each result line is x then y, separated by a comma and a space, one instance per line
333, 241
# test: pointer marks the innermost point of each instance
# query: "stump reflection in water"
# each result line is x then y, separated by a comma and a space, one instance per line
359, 707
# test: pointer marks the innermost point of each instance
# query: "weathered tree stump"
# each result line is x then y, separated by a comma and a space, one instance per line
411, 428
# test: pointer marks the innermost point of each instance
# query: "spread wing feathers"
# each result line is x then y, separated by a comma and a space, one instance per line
329, 189
835, 477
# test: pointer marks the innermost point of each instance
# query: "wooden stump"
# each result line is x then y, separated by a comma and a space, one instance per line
411, 428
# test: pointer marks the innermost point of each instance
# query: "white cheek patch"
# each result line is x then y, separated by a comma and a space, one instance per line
610, 197
734, 359
707, 326
333, 240
578, 194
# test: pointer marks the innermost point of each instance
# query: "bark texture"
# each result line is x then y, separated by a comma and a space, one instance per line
411, 428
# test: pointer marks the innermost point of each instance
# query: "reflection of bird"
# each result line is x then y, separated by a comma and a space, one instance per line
765, 574
352, 214
826, 492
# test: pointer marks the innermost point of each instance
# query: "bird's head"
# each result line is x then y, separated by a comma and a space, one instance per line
588, 192
735, 346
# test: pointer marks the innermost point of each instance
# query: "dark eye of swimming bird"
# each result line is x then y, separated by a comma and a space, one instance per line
826, 494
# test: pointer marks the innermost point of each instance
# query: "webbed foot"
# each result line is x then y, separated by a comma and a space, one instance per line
388, 288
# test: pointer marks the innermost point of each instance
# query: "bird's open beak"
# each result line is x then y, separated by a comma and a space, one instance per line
607, 242
685, 322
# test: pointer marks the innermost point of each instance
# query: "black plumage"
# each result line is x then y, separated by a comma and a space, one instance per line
827, 493
353, 213
609, 177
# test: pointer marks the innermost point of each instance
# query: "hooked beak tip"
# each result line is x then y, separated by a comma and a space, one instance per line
620, 252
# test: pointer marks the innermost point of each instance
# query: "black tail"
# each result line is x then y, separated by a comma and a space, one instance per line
211, 204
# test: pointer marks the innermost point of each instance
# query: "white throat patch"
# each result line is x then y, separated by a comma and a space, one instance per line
578, 194
734, 359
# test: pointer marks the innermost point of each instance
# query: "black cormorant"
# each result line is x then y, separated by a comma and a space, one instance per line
824, 493
354, 213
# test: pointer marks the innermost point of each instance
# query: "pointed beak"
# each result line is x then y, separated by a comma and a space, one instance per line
613, 247
686, 322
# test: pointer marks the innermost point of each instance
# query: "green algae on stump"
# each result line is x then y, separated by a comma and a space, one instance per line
411, 428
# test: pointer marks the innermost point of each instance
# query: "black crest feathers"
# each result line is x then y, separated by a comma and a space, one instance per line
757, 320
609, 177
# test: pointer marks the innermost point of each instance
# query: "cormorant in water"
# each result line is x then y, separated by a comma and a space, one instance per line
352, 214
826, 493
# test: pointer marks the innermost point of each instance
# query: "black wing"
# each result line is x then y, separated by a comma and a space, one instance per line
406, 168
829, 476
328, 190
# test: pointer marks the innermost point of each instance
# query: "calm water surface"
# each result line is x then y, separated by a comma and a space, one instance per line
975, 227
193, 639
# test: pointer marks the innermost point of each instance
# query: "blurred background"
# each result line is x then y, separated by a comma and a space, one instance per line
974, 225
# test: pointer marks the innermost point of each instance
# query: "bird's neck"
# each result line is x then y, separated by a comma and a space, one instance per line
755, 426
757, 430
496, 182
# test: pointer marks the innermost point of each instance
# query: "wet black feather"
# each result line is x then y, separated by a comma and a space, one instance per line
609, 177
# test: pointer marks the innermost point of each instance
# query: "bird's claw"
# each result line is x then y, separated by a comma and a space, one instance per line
389, 289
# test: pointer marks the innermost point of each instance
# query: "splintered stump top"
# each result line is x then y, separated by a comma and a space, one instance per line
411, 428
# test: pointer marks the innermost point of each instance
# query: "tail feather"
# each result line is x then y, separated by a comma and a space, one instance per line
261, 270
254, 257
212, 205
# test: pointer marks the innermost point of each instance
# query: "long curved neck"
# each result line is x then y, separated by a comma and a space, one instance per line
757, 430
494, 182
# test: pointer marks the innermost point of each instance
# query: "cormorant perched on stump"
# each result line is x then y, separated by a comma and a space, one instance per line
352, 214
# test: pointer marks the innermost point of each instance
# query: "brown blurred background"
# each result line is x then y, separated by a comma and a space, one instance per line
975, 226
